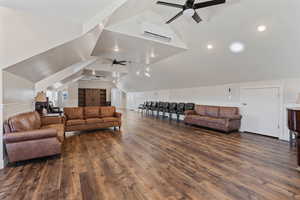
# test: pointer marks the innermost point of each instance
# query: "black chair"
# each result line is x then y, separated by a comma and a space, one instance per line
53, 110
154, 107
148, 106
142, 107
189, 106
160, 107
180, 110
172, 109
166, 108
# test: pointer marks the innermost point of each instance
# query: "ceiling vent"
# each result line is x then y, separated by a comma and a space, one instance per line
156, 32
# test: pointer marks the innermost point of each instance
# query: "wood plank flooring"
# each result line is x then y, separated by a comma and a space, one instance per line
156, 159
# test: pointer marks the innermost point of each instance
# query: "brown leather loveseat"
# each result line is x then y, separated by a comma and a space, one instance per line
28, 136
89, 118
225, 119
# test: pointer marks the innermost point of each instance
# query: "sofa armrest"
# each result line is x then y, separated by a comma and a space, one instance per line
234, 117
29, 135
118, 115
189, 112
48, 120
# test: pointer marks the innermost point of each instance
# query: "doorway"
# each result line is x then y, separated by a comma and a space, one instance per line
261, 110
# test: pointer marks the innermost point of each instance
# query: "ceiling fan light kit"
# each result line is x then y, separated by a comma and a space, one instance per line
189, 12
190, 7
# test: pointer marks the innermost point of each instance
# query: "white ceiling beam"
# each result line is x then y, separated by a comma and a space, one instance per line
63, 74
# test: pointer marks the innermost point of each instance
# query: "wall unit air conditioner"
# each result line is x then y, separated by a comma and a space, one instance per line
155, 31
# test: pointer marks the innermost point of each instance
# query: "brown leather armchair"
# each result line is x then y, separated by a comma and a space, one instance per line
29, 136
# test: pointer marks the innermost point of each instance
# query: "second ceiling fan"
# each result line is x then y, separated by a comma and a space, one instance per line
190, 7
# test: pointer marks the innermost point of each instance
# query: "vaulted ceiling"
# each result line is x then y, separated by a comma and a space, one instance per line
271, 54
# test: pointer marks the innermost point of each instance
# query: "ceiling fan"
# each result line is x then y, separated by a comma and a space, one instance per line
190, 7
118, 62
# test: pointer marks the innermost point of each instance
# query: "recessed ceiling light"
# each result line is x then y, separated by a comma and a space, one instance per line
116, 49
210, 46
261, 28
147, 69
147, 74
237, 47
152, 55
138, 73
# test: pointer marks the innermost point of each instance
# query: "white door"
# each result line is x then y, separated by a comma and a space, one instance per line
260, 109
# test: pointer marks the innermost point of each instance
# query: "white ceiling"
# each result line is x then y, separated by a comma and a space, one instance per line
57, 59
272, 54
78, 11
131, 48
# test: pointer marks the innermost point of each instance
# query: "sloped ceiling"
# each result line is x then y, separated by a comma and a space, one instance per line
57, 59
272, 54
31, 27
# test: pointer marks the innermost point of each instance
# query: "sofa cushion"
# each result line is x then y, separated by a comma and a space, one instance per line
111, 119
73, 113
227, 112
94, 120
75, 122
212, 111
91, 112
206, 119
107, 111
200, 109
25, 122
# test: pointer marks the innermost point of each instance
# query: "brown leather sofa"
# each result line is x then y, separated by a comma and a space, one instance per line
89, 118
225, 119
28, 136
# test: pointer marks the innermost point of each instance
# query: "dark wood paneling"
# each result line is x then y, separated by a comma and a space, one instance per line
81, 97
159, 160
91, 97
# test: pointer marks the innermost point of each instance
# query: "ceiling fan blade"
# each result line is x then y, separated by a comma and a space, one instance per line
196, 17
170, 4
122, 61
122, 64
208, 3
175, 17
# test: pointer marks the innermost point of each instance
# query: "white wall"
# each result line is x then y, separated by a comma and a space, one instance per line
72, 100
99, 85
18, 96
219, 95
118, 98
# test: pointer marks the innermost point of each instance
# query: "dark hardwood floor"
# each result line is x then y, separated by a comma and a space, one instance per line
155, 159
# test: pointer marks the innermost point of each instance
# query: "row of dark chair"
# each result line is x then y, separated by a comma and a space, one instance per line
166, 107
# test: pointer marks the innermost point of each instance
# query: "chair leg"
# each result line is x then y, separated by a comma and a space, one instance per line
177, 117
291, 139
